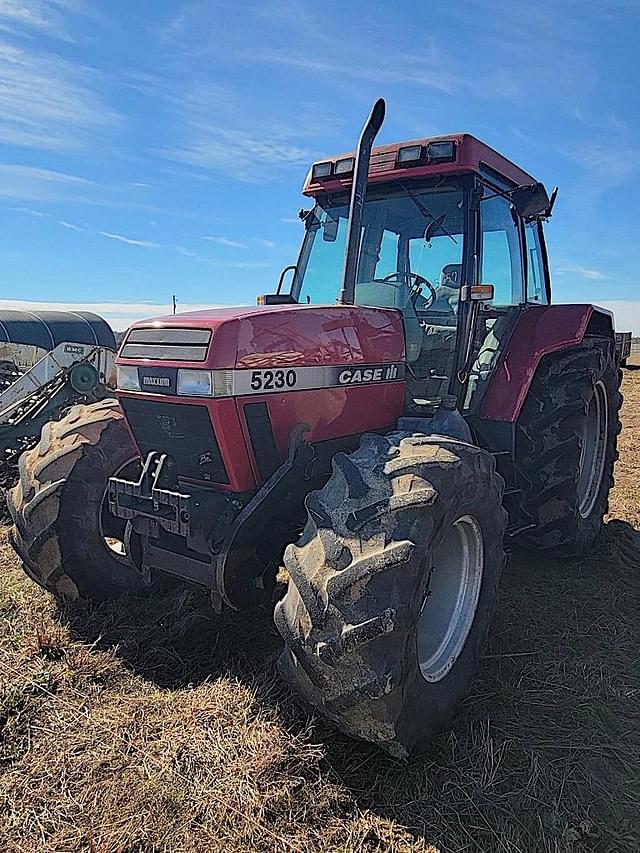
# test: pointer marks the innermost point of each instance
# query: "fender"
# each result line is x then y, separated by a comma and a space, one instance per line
538, 331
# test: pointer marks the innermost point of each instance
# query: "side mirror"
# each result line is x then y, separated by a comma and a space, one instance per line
330, 230
531, 201
278, 298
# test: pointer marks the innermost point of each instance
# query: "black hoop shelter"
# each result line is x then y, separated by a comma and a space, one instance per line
47, 329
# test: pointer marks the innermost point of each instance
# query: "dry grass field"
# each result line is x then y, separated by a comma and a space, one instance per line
160, 727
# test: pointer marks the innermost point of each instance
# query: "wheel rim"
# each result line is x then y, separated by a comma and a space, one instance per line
451, 599
593, 450
114, 532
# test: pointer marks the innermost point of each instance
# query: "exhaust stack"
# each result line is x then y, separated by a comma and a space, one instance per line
356, 203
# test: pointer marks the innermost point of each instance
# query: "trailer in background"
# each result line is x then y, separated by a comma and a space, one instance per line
623, 347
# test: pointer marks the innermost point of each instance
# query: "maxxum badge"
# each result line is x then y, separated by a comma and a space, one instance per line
157, 381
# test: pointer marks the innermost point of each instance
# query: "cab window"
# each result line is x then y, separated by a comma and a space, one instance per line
322, 274
536, 286
501, 258
429, 259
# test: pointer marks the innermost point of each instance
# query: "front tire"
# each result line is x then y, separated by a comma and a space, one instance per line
62, 529
385, 618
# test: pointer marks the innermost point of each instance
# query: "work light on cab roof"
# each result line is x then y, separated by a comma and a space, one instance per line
458, 153
443, 151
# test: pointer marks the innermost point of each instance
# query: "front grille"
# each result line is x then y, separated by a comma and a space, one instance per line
167, 344
183, 431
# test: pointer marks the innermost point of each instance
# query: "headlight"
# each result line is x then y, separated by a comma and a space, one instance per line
205, 383
127, 378
195, 383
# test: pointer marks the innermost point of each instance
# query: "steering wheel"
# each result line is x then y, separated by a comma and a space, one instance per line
416, 283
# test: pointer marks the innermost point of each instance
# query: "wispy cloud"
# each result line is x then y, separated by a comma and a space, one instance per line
47, 175
600, 120
70, 225
582, 272
47, 102
145, 244
188, 253
34, 184
29, 211
609, 165
219, 134
50, 17
225, 241
120, 238
301, 36
214, 262
31, 183
243, 155
243, 265
405, 69
230, 243
168, 247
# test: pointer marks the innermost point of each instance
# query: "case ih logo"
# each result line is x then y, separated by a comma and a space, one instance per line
157, 381
361, 375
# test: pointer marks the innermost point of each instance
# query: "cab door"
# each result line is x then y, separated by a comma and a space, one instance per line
502, 264
501, 252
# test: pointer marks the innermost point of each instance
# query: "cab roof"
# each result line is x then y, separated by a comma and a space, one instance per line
471, 155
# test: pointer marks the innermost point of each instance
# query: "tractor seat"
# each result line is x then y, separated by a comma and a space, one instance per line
439, 328
448, 291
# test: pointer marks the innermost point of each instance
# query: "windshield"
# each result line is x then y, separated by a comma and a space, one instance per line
409, 235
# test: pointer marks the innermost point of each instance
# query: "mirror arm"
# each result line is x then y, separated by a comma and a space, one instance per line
282, 275
508, 195
499, 194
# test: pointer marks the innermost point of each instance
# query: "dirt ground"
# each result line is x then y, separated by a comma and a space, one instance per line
160, 727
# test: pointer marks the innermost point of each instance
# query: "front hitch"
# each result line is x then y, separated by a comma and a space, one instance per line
166, 507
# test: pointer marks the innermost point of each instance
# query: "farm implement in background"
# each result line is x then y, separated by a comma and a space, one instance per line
49, 361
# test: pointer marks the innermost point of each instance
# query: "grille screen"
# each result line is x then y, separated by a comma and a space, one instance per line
167, 344
183, 431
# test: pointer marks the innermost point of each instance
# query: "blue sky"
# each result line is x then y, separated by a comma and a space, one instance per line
159, 147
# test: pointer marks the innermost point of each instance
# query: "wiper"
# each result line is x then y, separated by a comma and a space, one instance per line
439, 222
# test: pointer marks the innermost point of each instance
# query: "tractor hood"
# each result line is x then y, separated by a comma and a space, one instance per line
256, 337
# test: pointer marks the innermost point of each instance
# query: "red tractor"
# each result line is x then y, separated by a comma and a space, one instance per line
412, 401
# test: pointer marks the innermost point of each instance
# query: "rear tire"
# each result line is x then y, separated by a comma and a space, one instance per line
58, 505
566, 447
366, 615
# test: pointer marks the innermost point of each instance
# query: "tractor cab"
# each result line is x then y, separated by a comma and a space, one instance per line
440, 217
